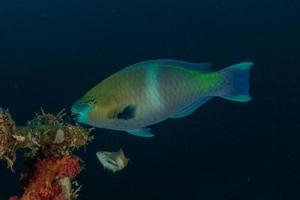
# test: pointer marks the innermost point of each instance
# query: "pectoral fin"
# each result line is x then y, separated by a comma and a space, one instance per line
143, 132
127, 113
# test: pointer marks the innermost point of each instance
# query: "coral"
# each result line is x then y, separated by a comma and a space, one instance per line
52, 167
45, 179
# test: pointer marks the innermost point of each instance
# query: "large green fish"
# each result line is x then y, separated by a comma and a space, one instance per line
152, 91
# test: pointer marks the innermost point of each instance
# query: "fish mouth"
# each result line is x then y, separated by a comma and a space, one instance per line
81, 111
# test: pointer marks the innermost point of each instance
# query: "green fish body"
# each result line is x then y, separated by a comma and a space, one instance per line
149, 92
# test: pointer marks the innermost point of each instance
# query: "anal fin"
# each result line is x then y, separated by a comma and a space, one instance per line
142, 132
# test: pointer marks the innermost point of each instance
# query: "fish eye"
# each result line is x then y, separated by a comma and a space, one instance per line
90, 101
82, 106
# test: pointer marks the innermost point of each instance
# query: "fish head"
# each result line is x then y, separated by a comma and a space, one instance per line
93, 110
82, 109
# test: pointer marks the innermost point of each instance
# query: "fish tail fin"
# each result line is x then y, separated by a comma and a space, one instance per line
236, 86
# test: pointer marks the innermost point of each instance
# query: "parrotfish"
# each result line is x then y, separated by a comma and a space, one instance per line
113, 161
150, 92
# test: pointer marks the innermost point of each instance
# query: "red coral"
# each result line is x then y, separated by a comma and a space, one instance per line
69, 167
44, 184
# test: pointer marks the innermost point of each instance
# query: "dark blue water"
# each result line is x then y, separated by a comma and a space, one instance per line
51, 52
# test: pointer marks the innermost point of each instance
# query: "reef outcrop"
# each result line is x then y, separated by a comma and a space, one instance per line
50, 141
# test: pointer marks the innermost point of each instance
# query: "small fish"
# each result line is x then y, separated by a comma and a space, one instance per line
149, 92
113, 161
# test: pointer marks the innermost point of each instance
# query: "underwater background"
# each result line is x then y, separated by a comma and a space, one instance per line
52, 52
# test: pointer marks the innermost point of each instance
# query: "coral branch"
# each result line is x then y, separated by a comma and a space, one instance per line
8, 138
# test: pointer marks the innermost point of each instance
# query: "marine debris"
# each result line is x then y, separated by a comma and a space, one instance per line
113, 161
49, 141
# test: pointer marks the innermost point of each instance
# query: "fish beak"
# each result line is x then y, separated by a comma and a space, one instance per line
82, 110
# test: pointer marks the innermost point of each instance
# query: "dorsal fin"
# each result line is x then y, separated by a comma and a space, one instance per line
178, 63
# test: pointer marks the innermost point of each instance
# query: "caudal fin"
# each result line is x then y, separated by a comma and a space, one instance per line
236, 86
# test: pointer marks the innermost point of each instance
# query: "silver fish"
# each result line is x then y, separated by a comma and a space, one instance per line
113, 161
